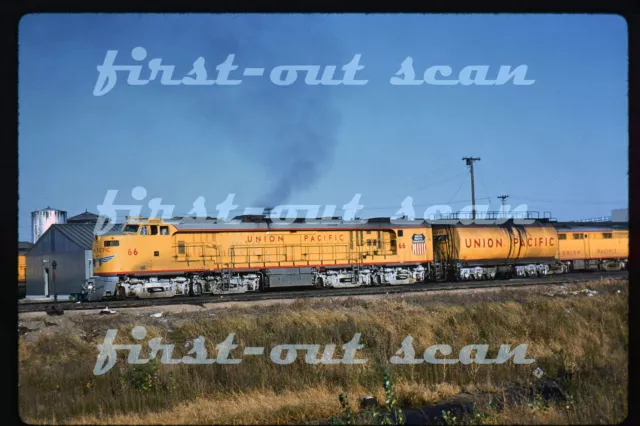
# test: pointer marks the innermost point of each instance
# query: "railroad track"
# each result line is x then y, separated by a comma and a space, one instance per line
281, 294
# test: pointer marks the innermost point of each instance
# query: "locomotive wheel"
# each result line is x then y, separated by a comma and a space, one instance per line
195, 290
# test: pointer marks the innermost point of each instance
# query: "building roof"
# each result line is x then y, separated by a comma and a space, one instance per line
85, 217
80, 233
592, 226
24, 246
74, 236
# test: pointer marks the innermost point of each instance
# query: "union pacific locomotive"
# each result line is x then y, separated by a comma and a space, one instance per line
154, 258
22, 276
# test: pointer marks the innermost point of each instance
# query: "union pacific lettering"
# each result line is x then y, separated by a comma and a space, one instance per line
323, 238
497, 242
264, 239
606, 251
320, 238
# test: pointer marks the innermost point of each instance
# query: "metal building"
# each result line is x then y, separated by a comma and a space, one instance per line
69, 246
41, 220
620, 215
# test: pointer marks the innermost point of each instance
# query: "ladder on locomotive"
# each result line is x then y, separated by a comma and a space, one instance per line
355, 273
354, 256
356, 267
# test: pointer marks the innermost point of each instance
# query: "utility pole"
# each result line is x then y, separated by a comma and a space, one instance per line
503, 197
470, 161
55, 290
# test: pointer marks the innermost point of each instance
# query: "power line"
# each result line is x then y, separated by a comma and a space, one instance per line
457, 190
484, 187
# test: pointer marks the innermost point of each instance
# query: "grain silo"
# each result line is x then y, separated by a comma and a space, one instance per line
41, 220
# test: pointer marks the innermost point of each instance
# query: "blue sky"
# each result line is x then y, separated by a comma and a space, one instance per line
559, 145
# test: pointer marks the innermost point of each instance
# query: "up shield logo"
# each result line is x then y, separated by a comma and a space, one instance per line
418, 245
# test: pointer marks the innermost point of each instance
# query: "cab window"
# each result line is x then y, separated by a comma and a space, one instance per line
562, 236
164, 230
144, 230
154, 229
130, 228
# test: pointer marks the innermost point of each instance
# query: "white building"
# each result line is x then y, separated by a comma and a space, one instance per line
620, 215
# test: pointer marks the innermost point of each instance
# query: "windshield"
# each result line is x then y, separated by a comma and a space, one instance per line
130, 228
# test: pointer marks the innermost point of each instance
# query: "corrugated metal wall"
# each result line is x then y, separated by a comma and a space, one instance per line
73, 267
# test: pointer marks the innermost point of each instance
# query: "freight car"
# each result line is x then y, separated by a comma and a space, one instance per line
153, 258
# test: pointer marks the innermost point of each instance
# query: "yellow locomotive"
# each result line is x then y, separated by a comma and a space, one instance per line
22, 275
155, 258
23, 248
589, 247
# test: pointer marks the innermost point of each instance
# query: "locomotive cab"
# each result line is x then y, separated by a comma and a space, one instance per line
131, 259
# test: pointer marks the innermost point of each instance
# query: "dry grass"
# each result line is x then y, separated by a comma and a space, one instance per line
581, 339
